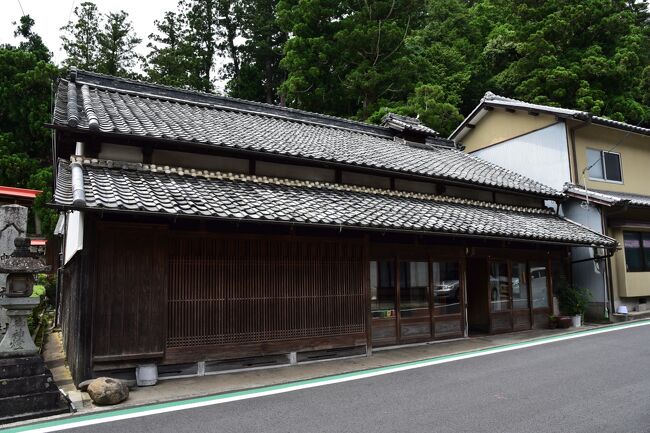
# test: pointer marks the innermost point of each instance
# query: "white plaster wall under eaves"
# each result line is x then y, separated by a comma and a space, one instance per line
541, 155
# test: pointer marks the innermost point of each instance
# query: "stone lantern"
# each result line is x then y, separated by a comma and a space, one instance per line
20, 267
27, 388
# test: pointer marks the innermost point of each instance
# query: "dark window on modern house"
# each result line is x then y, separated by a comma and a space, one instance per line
604, 165
637, 251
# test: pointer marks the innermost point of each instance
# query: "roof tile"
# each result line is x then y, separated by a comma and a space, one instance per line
121, 111
139, 187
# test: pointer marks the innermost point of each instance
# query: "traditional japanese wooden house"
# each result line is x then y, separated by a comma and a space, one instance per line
204, 232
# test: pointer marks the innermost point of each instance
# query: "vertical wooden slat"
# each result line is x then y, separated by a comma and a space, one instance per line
229, 289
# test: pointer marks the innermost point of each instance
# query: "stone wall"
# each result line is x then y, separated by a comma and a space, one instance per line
13, 223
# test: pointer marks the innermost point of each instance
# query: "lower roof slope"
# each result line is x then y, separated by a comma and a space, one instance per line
134, 187
609, 198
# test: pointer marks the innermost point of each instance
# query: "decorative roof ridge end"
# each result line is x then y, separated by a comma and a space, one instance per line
238, 177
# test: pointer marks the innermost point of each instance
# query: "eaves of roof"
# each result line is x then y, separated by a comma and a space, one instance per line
607, 198
23, 193
495, 101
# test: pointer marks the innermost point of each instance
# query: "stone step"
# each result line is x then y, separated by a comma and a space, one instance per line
632, 315
26, 385
21, 366
47, 401
31, 415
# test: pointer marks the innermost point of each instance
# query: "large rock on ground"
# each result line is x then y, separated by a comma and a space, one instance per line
107, 391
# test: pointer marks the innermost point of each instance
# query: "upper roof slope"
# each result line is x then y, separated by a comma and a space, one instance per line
124, 107
492, 100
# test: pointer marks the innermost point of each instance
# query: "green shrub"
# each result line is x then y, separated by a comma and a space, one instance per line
49, 282
574, 300
39, 291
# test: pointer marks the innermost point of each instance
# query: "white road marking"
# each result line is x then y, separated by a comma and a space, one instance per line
92, 419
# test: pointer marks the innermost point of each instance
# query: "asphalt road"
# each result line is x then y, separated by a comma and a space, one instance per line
598, 383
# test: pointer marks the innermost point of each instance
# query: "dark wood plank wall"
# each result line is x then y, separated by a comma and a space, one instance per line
251, 291
76, 306
129, 319
71, 303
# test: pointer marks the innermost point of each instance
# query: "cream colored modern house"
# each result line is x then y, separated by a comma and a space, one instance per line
604, 168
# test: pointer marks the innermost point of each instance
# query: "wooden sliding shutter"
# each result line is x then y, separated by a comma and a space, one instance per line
252, 290
131, 291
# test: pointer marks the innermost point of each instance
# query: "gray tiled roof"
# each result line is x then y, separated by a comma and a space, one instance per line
144, 188
400, 123
608, 197
492, 100
114, 106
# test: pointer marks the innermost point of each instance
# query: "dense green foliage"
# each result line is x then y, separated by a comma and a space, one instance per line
101, 42
358, 59
26, 77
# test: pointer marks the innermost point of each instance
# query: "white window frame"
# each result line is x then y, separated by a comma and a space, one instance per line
602, 162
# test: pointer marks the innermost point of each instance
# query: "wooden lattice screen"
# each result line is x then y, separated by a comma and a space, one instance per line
225, 290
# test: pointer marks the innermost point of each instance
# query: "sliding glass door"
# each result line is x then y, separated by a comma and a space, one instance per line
415, 300
414, 309
383, 302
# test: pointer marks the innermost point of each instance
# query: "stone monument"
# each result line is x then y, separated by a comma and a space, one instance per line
13, 223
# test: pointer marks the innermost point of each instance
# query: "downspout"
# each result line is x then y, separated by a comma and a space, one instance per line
610, 279
78, 194
607, 287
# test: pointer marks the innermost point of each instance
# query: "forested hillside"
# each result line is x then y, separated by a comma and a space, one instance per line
355, 59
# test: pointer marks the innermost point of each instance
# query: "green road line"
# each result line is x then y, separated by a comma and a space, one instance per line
216, 397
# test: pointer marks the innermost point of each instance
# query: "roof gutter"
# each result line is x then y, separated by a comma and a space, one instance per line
611, 252
339, 227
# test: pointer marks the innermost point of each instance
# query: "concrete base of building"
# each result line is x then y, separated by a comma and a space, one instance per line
596, 313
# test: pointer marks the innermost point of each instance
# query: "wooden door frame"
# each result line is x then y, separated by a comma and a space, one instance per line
375, 259
401, 260
462, 277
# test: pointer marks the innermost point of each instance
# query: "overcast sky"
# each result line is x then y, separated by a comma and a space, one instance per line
51, 15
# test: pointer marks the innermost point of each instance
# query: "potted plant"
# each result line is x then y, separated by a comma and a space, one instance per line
573, 302
552, 321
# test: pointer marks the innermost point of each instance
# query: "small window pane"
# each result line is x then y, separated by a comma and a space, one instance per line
446, 288
646, 251
413, 288
519, 287
632, 245
539, 283
382, 288
595, 164
612, 166
499, 287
